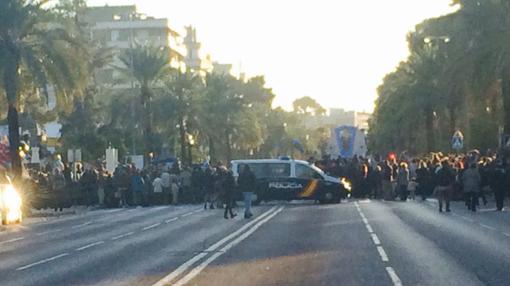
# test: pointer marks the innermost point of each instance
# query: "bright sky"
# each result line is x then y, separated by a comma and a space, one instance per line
336, 51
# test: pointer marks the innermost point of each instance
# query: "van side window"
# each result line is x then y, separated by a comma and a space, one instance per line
279, 170
267, 170
305, 172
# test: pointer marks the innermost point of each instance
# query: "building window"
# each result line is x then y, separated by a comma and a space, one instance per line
124, 35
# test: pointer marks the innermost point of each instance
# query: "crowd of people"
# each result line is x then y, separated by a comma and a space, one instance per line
91, 184
470, 177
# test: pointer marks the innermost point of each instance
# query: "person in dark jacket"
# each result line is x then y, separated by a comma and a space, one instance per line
137, 188
423, 180
445, 178
498, 184
228, 184
209, 189
471, 182
246, 182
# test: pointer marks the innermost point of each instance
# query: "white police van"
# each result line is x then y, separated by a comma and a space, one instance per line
287, 179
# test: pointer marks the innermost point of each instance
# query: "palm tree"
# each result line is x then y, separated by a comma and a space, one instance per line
183, 87
147, 65
31, 49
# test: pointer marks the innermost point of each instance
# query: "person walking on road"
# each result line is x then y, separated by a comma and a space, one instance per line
445, 179
499, 183
246, 182
402, 181
387, 179
471, 182
209, 188
167, 186
423, 179
137, 186
229, 185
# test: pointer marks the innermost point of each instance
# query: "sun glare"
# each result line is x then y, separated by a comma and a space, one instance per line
334, 51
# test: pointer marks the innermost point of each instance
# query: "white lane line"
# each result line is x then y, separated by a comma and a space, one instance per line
375, 239
393, 276
89, 245
42, 261
12, 240
382, 253
506, 234
113, 211
187, 214
184, 267
194, 272
365, 221
49, 231
487, 226
151, 226
82, 225
122, 235
369, 228
171, 220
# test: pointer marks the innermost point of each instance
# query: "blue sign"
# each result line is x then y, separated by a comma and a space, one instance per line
457, 140
345, 136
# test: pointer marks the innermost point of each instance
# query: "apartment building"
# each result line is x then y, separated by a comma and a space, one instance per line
122, 27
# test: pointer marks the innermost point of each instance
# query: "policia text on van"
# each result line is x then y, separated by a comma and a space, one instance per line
281, 179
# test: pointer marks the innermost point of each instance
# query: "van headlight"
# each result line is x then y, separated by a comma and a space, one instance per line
11, 201
346, 184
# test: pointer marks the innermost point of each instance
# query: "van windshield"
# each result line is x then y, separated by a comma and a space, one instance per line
308, 171
268, 170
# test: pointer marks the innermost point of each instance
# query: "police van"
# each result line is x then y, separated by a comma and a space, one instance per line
287, 179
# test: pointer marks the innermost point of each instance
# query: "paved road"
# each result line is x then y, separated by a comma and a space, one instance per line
354, 243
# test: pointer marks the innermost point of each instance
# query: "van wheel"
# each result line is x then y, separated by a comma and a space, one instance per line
328, 197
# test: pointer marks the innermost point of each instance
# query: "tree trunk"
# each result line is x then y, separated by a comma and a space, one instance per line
11, 86
182, 134
505, 88
429, 130
228, 145
212, 151
147, 121
14, 140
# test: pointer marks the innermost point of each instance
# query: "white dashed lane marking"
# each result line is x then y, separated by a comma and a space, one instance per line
375, 239
151, 226
187, 214
12, 240
89, 245
42, 261
122, 235
393, 276
382, 253
50, 231
82, 225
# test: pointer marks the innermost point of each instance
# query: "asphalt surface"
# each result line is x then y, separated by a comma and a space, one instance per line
357, 242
